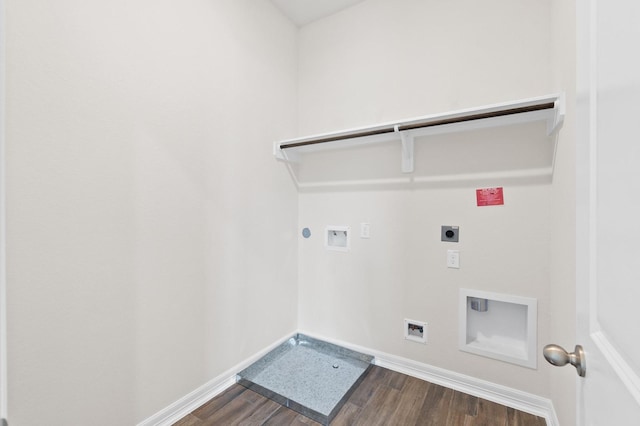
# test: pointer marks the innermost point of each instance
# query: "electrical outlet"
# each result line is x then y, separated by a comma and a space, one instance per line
453, 259
450, 234
365, 230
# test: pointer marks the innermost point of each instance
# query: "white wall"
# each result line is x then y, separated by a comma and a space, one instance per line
563, 201
151, 236
383, 60
3, 245
150, 232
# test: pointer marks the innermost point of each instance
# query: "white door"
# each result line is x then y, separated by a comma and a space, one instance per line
608, 161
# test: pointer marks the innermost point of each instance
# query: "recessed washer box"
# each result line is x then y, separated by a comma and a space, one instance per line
337, 237
415, 331
498, 326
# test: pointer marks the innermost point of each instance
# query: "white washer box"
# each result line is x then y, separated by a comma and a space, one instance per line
499, 326
337, 237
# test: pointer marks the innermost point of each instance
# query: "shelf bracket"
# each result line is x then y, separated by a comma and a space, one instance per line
407, 150
280, 154
555, 122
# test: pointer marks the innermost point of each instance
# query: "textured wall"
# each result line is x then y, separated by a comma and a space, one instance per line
383, 60
150, 232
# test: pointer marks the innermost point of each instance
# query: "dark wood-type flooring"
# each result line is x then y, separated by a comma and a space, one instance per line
383, 398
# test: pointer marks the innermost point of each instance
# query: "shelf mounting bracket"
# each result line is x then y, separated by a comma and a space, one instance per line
555, 122
407, 150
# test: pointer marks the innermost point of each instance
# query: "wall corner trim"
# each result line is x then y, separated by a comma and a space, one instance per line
188, 403
499, 394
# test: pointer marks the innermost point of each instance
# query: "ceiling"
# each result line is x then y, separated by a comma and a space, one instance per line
302, 12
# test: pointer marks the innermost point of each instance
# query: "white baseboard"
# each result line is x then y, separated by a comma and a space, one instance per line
215, 386
190, 402
503, 395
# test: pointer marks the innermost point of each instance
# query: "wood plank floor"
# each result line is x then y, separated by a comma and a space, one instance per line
383, 398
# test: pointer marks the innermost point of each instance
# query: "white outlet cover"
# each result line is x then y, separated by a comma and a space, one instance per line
453, 259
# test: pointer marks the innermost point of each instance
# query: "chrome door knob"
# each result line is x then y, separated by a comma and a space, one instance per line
556, 355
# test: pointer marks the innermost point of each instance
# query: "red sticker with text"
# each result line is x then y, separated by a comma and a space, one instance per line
489, 197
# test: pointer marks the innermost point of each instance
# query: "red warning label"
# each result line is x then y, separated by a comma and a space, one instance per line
489, 197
